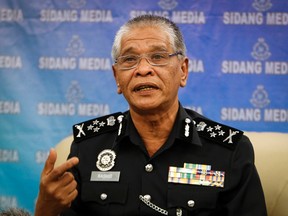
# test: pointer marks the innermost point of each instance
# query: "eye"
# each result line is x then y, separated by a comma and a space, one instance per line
158, 56
129, 59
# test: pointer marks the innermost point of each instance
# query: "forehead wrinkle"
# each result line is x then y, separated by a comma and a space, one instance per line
151, 48
146, 38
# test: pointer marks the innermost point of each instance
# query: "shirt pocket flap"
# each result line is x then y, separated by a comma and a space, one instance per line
191, 200
104, 193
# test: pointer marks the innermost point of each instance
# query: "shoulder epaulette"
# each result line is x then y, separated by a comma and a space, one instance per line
96, 126
222, 134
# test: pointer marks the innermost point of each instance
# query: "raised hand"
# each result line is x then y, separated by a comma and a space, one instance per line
57, 187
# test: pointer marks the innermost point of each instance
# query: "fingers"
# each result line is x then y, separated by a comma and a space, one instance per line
58, 188
72, 196
68, 199
70, 187
53, 173
66, 178
50, 162
63, 168
66, 192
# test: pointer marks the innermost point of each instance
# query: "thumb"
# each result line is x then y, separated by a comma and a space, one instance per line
50, 162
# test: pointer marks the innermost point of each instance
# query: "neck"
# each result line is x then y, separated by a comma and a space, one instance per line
155, 128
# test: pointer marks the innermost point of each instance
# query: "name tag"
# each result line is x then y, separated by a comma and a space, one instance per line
112, 176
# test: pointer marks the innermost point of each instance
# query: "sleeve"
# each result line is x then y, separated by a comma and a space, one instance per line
245, 196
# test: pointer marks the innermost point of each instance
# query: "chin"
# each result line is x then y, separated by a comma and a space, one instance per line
147, 108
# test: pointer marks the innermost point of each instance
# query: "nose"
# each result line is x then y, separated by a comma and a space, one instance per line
144, 68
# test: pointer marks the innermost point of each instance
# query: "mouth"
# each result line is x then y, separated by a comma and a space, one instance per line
145, 87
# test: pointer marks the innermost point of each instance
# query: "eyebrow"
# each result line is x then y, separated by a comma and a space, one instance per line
151, 48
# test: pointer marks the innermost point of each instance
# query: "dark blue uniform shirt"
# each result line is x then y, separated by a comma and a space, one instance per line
144, 188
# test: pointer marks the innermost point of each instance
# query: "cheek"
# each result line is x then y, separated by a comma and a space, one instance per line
176, 79
123, 83
171, 82
176, 75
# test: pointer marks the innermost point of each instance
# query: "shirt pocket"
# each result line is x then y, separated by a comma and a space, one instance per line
191, 199
104, 198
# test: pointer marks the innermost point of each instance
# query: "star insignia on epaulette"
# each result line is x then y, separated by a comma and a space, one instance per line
96, 126
217, 132
95, 122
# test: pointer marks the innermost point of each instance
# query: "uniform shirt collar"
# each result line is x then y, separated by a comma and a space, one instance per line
186, 130
183, 130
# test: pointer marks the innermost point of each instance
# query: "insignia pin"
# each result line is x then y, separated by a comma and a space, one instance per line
120, 119
187, 127
106, 160
80, 130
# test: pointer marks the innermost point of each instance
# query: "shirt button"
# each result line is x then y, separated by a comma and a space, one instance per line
103, 196
178, 212
191, 203
149, 168
147, 197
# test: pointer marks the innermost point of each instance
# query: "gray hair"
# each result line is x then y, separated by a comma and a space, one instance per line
176, 38
14, 212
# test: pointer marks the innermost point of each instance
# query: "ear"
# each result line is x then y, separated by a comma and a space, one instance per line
119, 91
184, 72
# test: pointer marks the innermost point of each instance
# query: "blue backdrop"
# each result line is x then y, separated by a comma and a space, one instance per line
55, 71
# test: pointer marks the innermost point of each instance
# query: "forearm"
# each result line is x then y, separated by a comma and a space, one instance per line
43, 209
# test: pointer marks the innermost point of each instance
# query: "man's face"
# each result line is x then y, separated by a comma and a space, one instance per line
150, 88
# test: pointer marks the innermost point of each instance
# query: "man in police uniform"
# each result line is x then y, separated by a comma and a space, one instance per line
157, 158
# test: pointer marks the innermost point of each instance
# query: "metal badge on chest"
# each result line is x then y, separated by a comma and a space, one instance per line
106, 160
